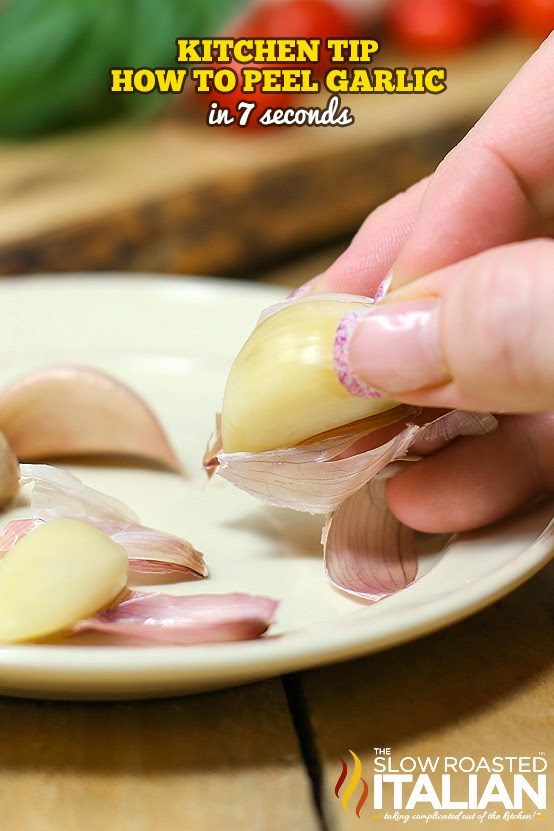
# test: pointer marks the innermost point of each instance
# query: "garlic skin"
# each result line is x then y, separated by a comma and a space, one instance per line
61, 572
57, 493
192, 619
9, 474
282, 388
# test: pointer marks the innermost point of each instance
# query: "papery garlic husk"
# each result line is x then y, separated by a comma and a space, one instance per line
74, 411
186, 619
282, 388
57, 493
9, 474
367, 552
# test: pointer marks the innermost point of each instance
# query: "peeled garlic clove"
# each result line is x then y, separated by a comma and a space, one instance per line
75, 411
282, 388
9, 474
61, 572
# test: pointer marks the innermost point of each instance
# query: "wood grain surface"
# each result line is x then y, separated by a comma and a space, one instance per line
231, 760
483, 687
177, 196
226, 761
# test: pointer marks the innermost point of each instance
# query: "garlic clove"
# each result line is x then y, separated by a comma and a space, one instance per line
61, 572
282, 388
9, 474
76, 411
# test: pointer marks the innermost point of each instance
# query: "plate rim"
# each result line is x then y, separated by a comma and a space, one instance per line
142, 668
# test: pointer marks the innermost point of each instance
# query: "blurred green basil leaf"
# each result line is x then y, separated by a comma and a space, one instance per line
55, 56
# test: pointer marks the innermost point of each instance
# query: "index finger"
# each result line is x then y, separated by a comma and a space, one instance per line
485, 192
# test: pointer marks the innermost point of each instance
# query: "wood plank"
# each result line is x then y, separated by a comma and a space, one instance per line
177, 196
226, 760
482, 687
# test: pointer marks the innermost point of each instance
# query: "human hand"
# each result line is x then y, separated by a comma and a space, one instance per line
478, 331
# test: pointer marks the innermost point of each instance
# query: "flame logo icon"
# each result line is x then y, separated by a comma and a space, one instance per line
352, 784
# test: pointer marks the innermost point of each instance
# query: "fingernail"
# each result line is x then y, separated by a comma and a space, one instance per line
303, 289
346, 374
383, 287
392, 348
317, 286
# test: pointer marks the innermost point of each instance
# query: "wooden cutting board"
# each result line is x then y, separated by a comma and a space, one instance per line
177, 196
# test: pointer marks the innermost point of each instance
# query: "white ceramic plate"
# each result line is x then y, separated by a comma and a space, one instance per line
173, 340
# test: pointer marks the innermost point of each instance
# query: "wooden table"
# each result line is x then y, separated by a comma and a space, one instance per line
266, 757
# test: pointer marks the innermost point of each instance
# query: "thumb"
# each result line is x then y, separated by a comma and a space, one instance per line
477, 335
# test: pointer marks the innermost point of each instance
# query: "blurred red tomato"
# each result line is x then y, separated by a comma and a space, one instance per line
531, 17
435, 25
297, 19
492, 14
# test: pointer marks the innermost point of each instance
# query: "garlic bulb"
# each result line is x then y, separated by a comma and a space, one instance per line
282, 388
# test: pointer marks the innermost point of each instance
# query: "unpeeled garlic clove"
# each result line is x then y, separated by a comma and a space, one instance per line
9, 474
282, 388
76, 411
63, 571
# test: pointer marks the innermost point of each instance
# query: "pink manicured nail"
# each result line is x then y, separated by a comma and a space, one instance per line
345, 373
394, 348
303, 289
